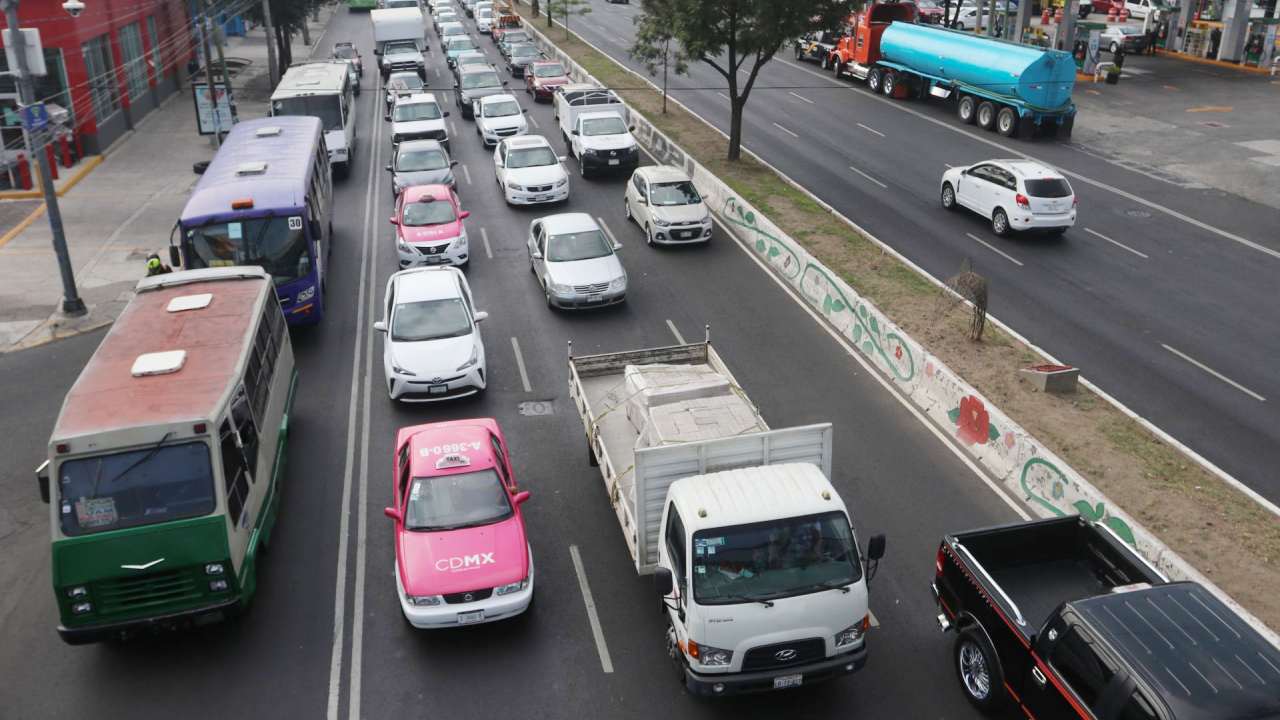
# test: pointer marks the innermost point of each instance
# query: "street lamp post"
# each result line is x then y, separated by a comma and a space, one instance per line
71, 302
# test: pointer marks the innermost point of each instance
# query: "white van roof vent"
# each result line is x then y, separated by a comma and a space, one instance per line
190, 302
159, 363
269, 131
252, 168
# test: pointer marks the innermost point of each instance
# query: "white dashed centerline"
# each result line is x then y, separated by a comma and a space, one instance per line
593, 617
466, 173
1120, 245
994, 249
484, 237
605, 226
785, 130
532, 121
800, 97
676, 332
726, 97
868, 177
524, 374
870, 129
1214, 373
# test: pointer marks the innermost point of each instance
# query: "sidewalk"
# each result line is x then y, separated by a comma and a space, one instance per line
121, 211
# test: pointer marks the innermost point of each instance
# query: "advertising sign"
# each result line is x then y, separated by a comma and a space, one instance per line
205, 108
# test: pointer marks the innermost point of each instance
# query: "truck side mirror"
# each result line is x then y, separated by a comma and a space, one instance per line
574, 131
42, 479
663, 583
875, 551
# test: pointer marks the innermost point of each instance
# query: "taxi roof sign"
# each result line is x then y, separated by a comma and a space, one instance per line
452, 461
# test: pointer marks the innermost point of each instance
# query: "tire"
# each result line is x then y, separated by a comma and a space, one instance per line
889, 82
873, 79
826, 62
1007, 122
967, 109
1000, 223
1065, 129
582, 168
626, 208
986, 117
948, 197
978, 669
648, 235
799, 54
1113, 48
199, 167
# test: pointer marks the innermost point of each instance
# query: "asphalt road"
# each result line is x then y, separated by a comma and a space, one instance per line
1164, 313
318, 584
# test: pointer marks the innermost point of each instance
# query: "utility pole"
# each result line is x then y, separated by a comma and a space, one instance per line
207, 28
71, 303
222, 63
273, 65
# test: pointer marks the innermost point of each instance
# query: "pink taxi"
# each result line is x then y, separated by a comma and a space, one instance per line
461, 553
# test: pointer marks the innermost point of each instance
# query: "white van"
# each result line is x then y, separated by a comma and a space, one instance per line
323, 90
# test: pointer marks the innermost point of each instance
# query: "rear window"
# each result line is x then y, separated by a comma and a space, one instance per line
1051, 188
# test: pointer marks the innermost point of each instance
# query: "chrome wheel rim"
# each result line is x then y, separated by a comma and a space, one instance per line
1001, 223
973, 671
948, 197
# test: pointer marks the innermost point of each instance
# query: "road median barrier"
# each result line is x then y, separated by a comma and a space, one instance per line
1012, 455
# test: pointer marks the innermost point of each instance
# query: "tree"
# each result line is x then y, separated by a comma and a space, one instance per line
562, 9
728, 34
655, 46
287, 16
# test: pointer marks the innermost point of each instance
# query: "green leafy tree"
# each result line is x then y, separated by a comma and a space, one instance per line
288, 17
657, 48
736, 37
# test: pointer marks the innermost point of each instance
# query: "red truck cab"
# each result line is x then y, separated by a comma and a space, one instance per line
859, 44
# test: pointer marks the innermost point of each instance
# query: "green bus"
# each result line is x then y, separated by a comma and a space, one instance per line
165, 465
362, 5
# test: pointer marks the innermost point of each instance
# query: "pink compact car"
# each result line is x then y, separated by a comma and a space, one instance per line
461, 553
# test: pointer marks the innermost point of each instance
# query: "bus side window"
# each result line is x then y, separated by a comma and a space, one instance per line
248, 429
234, 472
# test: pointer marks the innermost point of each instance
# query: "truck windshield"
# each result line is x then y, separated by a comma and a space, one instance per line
603, 126
774, 559
139, 487
277, 244
451, 502
326, 107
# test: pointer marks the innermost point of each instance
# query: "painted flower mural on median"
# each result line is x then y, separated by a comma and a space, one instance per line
973, 422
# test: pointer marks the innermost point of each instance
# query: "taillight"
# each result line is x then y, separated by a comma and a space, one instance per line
1022, 201
942, 556
1074, 201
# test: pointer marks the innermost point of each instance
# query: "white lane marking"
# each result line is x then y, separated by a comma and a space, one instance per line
949, 165
466, 172
344, 523
524, 374
453, 130
785, 130
532, 121
1117, 244
676, 332
605, 226
800, 97
1214, 373
606, 664
994, 249
870, 129
1082, 178
874, 622
726, 97
868, 177
484, 236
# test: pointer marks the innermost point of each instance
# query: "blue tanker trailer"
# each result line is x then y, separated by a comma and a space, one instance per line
1004, 86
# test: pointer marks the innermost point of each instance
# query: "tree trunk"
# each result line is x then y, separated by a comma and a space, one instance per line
306, 32
284, 44
666, 55
534, 8
550, 12
735, 129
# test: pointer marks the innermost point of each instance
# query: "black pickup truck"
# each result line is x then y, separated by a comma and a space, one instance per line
1061, 619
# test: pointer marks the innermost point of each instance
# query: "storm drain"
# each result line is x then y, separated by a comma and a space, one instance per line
534, 408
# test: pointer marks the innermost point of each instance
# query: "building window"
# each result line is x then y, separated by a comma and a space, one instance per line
135, 60
102, 77
154, 37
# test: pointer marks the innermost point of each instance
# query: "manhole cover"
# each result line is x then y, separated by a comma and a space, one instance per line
1214, 124
536, 407
1136, 213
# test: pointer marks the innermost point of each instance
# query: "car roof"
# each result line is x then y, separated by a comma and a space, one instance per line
663, 173
1027, 168
527, 141
415, 193
402, 74
477, 69
473, 435
489, 99
568, 223
419, 145
427, 283
414, 98
451, 23
549, 62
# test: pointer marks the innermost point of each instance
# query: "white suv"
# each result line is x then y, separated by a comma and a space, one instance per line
529, 171
433, 349
1013, 194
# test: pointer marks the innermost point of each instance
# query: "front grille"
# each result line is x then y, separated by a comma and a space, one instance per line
766, 657
431, 250
143, 591
461, 597
441, 135
538, 188
592, 288
506, 132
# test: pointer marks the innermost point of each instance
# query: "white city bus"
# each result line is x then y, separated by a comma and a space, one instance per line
165, 465
322, 89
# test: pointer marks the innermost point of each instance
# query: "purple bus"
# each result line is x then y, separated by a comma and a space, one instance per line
266, 199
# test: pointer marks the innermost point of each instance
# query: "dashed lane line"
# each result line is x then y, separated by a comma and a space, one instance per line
606, 663
995, 249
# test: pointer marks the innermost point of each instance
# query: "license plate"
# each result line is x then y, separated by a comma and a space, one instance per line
595, 298
614, 161
787, 681
475, 616
437, 389
541, 198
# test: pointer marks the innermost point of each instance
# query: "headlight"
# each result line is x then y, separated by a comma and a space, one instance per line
560, 289
706, 220
78, 592
217, 568
710, 656
850, 635
403, 246
426, 600
475, 358
401, 371
303, 296
82, 608
660, 222
588, 151
562, 182
512, 588
618, 283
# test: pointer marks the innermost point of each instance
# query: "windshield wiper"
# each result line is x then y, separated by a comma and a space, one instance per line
746, 599
150, 454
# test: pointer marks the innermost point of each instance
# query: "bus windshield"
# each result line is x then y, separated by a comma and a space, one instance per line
326, 107
273, 243
138, 487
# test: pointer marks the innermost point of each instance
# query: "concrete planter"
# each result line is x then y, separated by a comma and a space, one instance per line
1052, 378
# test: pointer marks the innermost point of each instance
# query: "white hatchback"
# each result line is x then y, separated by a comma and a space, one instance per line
499, 116
433, 350
662, 200
529, 171
1013, 195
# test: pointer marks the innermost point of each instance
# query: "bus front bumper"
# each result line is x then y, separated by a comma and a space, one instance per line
186, 618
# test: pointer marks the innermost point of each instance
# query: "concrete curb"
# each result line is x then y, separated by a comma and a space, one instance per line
1043, 481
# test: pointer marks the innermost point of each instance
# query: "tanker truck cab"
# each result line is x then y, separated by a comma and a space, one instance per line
760, 574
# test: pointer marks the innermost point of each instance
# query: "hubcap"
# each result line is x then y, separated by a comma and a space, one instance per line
948, 197
973, 671
1000, 222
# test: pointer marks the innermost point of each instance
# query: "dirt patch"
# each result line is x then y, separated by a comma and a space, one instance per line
1218, 530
